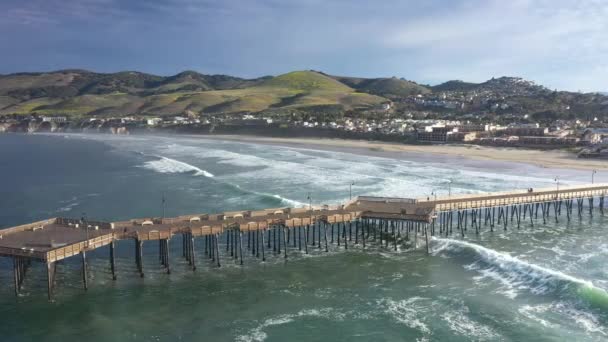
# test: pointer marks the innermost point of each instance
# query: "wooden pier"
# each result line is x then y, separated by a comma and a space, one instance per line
388, 222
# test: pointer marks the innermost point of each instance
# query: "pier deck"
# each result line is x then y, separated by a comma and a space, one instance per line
55, 239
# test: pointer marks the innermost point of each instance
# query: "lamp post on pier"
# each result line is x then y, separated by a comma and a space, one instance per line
350, 189
86, 226
163, 206
309, 198
592, 175
557, 185
449, 188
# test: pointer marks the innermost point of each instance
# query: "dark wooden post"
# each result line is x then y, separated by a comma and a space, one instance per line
426, 237
241, 246
16, 274
112, 260
84, 269
51, 268
140, 247
263, 255
325, 235
285, 241
167, 256
217, 249
192, 254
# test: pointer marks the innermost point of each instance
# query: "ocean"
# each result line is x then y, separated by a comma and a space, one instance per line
541, 283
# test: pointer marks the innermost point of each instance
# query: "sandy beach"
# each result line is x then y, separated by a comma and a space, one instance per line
547, 159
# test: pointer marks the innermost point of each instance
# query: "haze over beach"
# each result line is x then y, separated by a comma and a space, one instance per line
303, 170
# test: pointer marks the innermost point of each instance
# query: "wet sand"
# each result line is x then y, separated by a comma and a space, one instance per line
540, 158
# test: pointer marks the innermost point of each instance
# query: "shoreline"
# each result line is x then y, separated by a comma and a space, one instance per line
539, 158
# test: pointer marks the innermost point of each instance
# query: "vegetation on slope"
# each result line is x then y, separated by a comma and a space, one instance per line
77, 92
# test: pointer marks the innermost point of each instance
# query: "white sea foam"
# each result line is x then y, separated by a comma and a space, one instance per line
168, 165
552, 315
68, 207
512, 271
459, 322
410, 312
258, 334
290, 202
535, 312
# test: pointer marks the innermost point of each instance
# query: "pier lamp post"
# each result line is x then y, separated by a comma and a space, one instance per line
449, 188
309, 198
557, 185
350, 189
163, 205
434, 193
592, 175
86, 226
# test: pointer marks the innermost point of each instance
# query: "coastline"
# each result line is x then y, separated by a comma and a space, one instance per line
539, 158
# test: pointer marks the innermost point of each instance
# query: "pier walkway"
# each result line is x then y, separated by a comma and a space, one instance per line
363, 219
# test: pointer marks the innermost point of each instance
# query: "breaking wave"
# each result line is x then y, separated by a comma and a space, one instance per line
168, 165
258, 334
521, 274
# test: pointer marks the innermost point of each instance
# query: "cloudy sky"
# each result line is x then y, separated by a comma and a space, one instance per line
559, 43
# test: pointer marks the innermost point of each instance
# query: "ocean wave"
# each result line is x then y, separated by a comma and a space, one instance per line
289, 202
409, 312
168, 165
519, 274
258, 334
459, 322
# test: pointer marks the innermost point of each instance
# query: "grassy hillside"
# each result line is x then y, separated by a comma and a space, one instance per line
82, 93
455, 85
389, 87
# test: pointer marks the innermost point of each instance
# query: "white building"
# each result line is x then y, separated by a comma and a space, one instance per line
153, 121
56, 119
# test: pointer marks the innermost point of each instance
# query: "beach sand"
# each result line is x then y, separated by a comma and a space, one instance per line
547, 158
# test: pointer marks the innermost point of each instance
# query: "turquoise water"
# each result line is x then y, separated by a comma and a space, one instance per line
545, 283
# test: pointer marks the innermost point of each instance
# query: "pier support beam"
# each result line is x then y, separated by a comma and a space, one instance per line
16, 274
166, 256
139, 246
241, 246
51, 269
285, 241
84, 270
192, 254
112, 260
263, 253
217, 249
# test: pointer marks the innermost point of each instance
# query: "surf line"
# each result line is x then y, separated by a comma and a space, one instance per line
169, 165
527, 272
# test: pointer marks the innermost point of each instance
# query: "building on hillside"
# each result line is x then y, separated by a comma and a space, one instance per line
153, 121
55, 119
435, 133
543, 141
595, 135
526, 131
472, 128
461, 136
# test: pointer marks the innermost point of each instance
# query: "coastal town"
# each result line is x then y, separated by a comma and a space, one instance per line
589, 139
504, 111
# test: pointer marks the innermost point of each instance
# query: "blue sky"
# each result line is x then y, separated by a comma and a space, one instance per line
558, 43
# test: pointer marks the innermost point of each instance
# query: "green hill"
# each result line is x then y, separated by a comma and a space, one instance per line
455, 85
80, 93
388, 87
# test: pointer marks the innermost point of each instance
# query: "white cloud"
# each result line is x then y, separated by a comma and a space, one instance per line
536, 39
559, 43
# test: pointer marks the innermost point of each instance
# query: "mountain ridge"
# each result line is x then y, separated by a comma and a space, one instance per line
82, 92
